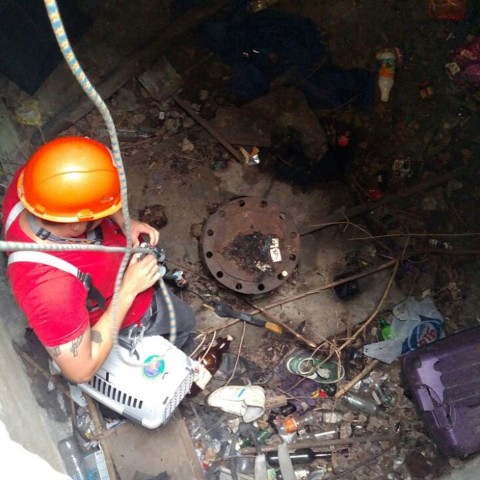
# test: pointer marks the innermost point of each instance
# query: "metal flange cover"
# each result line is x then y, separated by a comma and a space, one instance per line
250, 245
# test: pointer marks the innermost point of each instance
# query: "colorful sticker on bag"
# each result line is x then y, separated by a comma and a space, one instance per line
427, 331
154, 366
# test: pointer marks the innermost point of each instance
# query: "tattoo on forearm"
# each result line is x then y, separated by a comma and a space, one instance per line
96, 337
75, 345
54, 352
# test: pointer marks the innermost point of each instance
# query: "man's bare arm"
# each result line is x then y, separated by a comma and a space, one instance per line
81, 358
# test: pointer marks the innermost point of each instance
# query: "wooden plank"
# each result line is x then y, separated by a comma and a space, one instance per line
161, 80
141, 60
234, 152
140, 453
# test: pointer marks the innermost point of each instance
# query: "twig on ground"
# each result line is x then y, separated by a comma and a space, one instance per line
210, 330
328, 286
395, 235
284, 325
238, 354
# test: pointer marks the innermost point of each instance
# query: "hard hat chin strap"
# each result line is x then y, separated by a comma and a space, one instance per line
94, 237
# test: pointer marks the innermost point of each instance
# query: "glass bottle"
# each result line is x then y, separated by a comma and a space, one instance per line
288, 409
210, 360
329, 434
301, 456
359, 404
382, 395
262, 437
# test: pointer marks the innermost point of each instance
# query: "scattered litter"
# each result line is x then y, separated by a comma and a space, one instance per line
187, 145
414, 324
246, 401
28, 113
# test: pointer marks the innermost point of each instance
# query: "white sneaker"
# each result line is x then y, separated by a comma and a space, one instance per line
247, 401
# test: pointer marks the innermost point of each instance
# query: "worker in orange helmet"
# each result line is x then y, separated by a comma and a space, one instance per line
69, 193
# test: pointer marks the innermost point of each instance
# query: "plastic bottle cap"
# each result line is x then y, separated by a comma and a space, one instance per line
343, 141
290, 425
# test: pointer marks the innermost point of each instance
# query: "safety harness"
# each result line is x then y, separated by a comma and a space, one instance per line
95, 298
131, 335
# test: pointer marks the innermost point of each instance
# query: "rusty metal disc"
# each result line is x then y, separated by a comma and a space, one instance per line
250, 245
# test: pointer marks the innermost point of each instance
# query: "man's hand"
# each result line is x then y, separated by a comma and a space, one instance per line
138, 229
140, 275
80, 358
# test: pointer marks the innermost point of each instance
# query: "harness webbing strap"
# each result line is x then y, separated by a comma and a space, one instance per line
47, 259
94, 236
14, 213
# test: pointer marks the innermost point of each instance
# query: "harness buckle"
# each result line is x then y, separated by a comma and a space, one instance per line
135, 334
42, 234
86, 279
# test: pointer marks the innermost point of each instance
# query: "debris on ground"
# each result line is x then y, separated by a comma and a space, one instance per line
304, 107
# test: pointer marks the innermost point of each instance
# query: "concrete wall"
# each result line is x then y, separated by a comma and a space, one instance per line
27, 423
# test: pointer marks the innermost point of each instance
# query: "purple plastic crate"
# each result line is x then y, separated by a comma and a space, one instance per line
444, 380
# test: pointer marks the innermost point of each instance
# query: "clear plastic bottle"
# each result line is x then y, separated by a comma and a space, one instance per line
295, 422
329, 434
386, 73
332, 417
73, 458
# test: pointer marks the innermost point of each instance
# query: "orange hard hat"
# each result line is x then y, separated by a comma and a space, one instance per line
70, 179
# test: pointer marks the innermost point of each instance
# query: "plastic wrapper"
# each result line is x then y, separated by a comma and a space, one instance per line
415, 324
464, 64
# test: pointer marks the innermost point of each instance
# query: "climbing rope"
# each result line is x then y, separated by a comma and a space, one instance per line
88, 88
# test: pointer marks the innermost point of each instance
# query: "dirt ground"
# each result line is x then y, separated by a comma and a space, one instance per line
179, 175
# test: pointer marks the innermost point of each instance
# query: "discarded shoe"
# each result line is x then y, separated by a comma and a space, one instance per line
248, 401
315, 368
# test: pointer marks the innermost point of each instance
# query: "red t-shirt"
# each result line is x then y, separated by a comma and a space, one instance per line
54, 301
